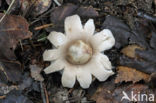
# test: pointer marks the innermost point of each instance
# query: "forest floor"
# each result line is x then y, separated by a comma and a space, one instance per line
23, 33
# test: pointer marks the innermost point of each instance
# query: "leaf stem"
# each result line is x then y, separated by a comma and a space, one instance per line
7, 11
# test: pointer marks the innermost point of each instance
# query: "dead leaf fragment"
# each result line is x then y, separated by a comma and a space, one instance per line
152, 80
120, 30
130, 50
109, 93
12, 29
35, 72
87, 11
60, 13
131, 90
15, 96
11, 71
6, 89
127, 74
33, 7
103, 93
41, 6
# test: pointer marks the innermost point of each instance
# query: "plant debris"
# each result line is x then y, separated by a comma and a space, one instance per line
35, 72
126, 74
12, 30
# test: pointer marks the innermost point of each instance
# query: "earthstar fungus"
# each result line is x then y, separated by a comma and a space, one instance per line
79, 54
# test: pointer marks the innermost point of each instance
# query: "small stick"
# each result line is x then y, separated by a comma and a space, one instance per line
146, 16
46, 94
42, 26
21, 45
2, 97
57, 2
7, 11
42, 93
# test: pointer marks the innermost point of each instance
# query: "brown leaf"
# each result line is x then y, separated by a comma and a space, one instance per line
11, 72
34, 7
120, 30
152, 80
104, 92
109, 93
12, 29
132, 90
87, 11
60, 13
130, 50
129, 74
41, 6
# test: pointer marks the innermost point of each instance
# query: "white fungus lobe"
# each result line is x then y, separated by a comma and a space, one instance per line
79, 53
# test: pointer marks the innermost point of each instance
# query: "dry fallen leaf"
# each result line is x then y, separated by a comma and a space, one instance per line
120, 30
127, 74
109, 93
87, 12
132, 90
34, 7
39, 6
103, 93
15, 96
35, 72
130, 50
12, 30
60, 13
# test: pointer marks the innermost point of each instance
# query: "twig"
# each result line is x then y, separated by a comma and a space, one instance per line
2, 97
7, 11
42, 26
146, 16
57, 2
21, 45
46, 94
42, 93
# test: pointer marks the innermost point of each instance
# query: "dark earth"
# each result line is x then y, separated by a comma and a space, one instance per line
23, 33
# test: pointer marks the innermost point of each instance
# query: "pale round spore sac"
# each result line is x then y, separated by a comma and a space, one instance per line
79, 53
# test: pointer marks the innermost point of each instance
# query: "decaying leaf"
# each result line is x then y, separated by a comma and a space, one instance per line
38, 7
126, 74
5, 89
87, 12
12, 30
15, 97
103, 93
152, 80
35, 72
144, 66
120, 30
60, 13
109, 93
153, 40
130, 50
10, 71
34, 7
134, 90
144, 37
